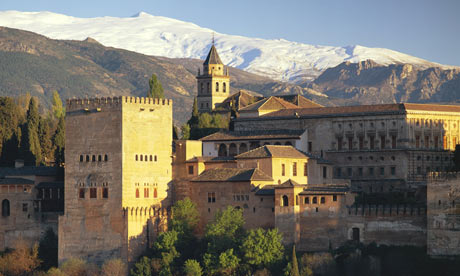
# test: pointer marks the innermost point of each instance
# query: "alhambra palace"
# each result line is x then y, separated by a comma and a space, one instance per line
286, 161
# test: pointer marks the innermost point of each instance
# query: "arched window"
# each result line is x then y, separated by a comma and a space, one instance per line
136, 157
99, 158
243, 148
217, 87
155, 193
106, 158
155, 158
94, 158
5, 208
81, 158
222, 150
87, 158
284, 201
288, 143
146, 159
225, 87
142, 157
151, 158
137, 193
278, 144
232, 150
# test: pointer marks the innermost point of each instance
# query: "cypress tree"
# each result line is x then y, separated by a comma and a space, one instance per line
295, 265
30, 143
56, 106
59, 142
156, 89
193, 122
44, 136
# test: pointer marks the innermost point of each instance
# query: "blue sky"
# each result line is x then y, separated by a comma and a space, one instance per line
428, 29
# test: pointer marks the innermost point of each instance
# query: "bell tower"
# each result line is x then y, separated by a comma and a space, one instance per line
213, 83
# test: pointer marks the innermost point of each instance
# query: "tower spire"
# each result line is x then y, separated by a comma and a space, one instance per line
212, 38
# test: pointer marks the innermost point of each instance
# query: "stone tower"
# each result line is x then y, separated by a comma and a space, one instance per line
117, 177
213, 82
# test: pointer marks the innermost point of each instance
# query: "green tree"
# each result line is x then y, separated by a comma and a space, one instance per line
156, 89
185, 129
294, 266
192, 268
193, 121
59, 142
114, 267
21, 261
142, 268
226, 231
56, 106
185, 216
44, 136
48, 250
10, 119
165, 248
30, 144
175, 133
456, 158
263, 248
228, 262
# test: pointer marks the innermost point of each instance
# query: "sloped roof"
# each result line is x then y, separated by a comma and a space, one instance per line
272, 151
213, 57
242, 98
299, 100
231, 175
28, 170
267, 190
51, 184
210, 159
254, 135
270, 103
289, 184
325, 189
360, 110
15, 181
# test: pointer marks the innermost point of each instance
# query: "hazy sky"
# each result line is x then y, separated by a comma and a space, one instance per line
428, 29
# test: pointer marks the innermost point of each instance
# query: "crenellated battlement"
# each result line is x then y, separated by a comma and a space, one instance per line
110, 102
151, 211
387, 210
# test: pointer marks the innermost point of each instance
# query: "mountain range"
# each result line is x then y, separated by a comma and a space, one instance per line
277, 59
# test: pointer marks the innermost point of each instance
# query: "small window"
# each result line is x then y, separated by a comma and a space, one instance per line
142, 157
334, 198
211, 197
155, 193
283, 169
146, 193
146, 158
5, 208
393, 170
81, 193
284, 200
315, 200
81, 158
307, 200
324, 172
371, 171
87, 158
190, 169
25, 207
99, 158
254, 208
382, 170
106, 158
94, 158
225, 87
155, 157
151, 158
137, 158
323, 200
92, 192
305, 169
360, 171
217, 87
294, 169
137, 193
316, 209
350, 172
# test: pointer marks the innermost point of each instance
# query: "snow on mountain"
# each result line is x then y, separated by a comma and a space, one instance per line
161, 36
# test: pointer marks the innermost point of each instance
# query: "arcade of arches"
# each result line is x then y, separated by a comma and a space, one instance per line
233, 149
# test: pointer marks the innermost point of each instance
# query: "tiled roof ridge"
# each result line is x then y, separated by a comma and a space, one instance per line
213, 57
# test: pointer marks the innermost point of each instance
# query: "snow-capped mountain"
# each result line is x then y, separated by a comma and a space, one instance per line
161, 36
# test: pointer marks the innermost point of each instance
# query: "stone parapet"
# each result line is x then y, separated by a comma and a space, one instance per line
77, 104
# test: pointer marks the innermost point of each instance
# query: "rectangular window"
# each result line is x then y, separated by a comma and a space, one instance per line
307, 200
92, 192
324, 172
436, 142
427, 142
212, 197
323, 200
25, 207
283, 170
393, 141
454, 141
382, 142
190, 169
305, 169
360, 171
105, 192
339, 143
315, 200
419, 170
371, 171
371, 142
361, 142
334, 198
350, 172
310, 146
382, 170
339, 172
444, 142
350, 143
294, 169
417, 142
81, 193
146, 192
393, 170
